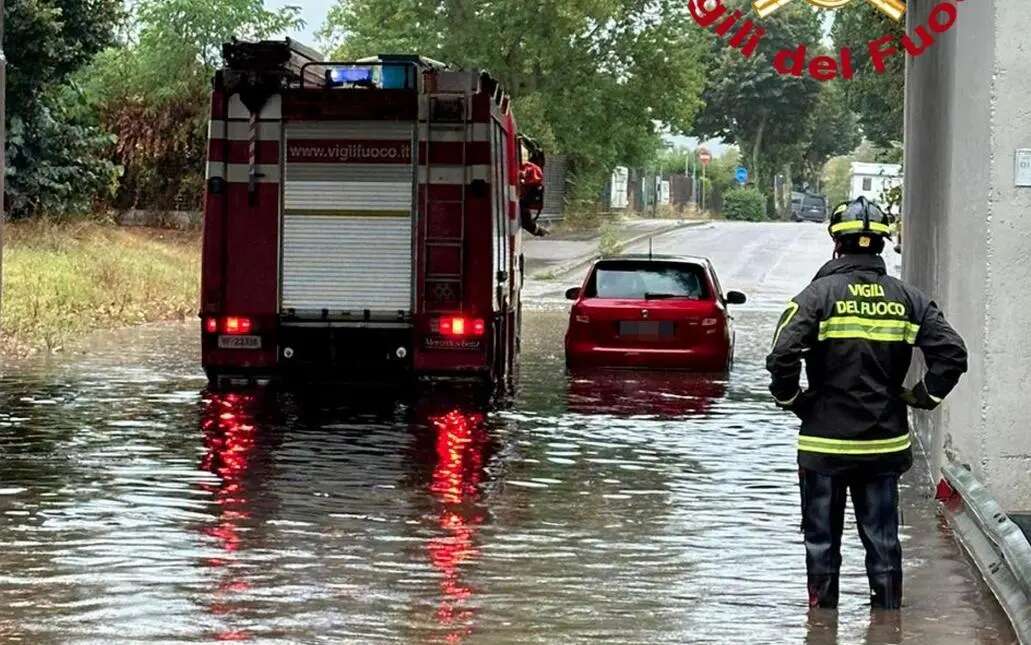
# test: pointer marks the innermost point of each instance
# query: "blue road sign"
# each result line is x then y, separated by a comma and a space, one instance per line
742, 175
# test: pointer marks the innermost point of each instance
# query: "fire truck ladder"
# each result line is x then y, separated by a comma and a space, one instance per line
444, 219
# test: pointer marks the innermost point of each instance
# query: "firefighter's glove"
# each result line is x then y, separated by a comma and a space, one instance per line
541, 232
791, 403
919, 398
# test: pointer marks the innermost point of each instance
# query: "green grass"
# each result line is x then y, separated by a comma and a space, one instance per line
610, 243
63, 280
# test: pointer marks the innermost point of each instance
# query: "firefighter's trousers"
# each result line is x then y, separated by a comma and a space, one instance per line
875, 500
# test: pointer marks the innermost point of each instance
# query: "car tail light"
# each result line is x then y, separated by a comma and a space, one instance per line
237, 325
211, 325
461, 326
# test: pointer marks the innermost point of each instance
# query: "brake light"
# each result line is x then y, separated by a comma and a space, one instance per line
237, 325
211, 325
461, 326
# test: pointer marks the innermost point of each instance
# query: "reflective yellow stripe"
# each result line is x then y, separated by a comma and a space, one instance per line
856, 327
789, 314
826, 446
859, 226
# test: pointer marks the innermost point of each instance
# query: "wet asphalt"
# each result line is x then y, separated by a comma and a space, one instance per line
619, 507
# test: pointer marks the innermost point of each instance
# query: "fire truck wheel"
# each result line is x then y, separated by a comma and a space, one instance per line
214, 378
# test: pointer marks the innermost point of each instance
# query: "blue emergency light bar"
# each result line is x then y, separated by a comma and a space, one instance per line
351, 75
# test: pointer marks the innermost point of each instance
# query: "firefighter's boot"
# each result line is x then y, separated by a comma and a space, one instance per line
876, 501
823, 518
823, 592
886, 591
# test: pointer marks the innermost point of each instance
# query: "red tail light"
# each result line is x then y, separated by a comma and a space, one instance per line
460, 326
237, 325
211, 325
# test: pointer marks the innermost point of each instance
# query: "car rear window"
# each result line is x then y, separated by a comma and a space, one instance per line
815, 202
642, 280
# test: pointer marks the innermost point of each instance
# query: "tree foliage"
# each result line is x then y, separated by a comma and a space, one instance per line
877, 99
591, 79
749, 103
55, 156
152, 92
834, 131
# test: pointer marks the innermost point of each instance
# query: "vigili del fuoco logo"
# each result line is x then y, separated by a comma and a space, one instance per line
745, 34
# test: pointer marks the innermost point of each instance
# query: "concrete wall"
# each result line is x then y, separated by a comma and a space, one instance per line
968, 231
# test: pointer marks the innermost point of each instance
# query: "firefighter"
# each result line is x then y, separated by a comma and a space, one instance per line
531, 193
855, 328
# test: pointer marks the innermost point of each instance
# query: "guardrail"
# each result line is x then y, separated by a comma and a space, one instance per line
997, 545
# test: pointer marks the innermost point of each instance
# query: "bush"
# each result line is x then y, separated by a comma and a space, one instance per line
744, 204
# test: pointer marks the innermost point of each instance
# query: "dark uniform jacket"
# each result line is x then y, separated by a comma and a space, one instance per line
855, 327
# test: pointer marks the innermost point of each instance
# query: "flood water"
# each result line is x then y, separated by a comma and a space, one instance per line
623, 508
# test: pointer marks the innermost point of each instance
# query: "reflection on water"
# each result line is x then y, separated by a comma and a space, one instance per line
654, 394
461, 443
617, 507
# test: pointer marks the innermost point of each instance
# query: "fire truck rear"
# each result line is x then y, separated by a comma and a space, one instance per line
361, 220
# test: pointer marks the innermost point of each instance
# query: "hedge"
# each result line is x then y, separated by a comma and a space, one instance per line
744, 204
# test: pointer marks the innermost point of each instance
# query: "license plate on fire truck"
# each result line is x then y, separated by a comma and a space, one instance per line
239, 342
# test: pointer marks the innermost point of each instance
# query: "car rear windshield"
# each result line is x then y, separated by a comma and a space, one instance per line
643, 280
815, 202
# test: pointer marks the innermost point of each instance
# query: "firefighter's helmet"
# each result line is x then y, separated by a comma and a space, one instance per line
860, 217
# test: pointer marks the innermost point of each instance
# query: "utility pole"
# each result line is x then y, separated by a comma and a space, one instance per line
694, 182
3, 144
704, 168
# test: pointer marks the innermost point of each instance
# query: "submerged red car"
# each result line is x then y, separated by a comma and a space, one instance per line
666, 312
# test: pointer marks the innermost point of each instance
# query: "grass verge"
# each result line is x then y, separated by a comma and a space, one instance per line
62, 280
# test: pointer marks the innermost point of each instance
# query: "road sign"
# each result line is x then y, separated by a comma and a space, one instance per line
742, 175
704, 156
1023, 173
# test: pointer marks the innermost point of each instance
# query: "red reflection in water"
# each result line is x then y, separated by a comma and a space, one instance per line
461, 441
627, 393
229, 441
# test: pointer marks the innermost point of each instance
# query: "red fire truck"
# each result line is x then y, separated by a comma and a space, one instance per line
361, 220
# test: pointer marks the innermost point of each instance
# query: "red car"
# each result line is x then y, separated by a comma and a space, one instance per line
651, 312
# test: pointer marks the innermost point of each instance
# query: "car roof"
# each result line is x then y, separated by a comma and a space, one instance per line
645, 257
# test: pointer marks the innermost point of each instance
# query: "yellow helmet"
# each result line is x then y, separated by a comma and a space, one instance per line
859, 217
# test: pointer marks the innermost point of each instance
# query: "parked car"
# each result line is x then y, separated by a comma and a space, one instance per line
812, 208
666, 312
797, 200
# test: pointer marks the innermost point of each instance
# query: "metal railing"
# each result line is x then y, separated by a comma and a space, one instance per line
994, 541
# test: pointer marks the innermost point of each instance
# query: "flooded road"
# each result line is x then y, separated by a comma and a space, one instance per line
623, 508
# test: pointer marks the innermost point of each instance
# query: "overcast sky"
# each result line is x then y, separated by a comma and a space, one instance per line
312, 11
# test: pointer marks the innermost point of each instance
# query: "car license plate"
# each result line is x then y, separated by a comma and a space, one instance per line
647, 329
239, 342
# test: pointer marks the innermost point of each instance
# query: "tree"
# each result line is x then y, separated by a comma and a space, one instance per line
749, 103
834, 131
837, 178
55, 157
877, 99
837, 172
152, 92
592, 80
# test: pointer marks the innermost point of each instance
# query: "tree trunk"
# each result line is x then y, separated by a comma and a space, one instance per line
757, 147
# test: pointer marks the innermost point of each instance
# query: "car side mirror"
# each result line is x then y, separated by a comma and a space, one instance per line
736, 298
573, 294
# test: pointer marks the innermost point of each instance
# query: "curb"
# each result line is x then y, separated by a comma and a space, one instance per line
586, 260
995, 543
